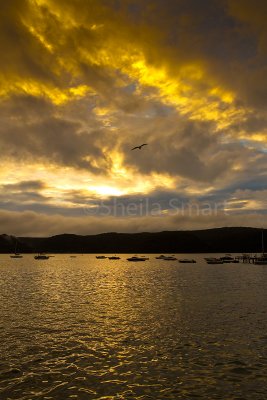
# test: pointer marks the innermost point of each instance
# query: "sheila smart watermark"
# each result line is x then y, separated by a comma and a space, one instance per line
145, 206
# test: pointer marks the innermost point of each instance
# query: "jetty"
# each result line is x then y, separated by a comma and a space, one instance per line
251, 259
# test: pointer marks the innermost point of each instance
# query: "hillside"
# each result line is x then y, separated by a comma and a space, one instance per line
239, 240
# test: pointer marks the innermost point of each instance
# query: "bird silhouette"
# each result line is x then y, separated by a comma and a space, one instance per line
139, 147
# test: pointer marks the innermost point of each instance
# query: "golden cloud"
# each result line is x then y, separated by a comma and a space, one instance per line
83, 81
75, 41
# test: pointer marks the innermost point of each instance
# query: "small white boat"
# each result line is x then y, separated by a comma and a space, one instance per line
187, 260
137, 258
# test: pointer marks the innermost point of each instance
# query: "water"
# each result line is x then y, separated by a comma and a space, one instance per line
81, 328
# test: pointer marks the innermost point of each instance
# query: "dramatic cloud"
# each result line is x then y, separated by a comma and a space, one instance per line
84, 81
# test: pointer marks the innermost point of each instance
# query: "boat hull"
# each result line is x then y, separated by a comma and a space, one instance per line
41, 257
260, 262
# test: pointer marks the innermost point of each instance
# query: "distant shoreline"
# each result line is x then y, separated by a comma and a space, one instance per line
217, 240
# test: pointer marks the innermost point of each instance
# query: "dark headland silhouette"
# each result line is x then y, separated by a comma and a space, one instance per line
219, 240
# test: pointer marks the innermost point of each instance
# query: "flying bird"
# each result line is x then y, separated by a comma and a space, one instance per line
139, 147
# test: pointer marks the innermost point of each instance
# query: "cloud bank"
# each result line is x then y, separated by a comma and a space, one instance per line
82, 82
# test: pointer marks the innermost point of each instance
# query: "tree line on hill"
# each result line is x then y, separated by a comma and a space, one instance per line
219, 240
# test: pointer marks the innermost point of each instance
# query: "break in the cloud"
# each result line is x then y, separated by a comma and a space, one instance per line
82, 82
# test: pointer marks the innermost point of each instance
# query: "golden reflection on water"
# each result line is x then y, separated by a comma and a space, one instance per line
94, 329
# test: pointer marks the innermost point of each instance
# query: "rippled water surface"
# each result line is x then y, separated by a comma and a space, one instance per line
81, 328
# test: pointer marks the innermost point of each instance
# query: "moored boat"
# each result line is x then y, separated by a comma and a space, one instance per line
16, 255
213, 260
229, 259
137, 258
187, 260
41, 257
166, 258
262, 260
169, 258
101, 257
114, 258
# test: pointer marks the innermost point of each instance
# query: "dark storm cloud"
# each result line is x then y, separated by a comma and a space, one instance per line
188, 149
22, 195
37, 134
53, 139
228, 38
24, 186
223, 37
40, 205
22, 56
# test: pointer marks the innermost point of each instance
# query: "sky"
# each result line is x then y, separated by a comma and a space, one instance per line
84, 81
